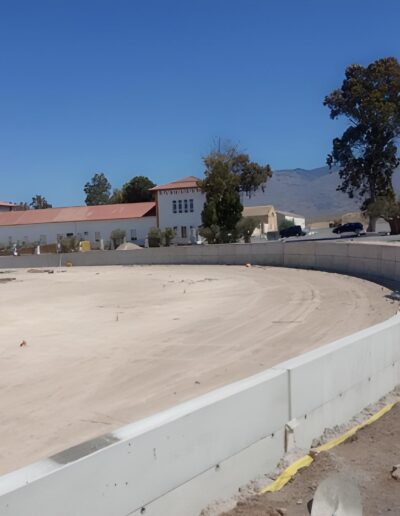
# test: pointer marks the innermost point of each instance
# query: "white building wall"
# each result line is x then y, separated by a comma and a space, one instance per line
85, 230
167, 217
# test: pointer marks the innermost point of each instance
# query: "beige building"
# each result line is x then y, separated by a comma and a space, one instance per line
267, 216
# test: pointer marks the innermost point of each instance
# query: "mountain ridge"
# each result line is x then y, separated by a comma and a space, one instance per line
309, 192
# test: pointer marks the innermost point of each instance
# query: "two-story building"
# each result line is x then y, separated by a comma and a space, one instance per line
179, 206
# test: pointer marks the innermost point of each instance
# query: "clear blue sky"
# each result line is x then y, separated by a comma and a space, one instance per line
143, 87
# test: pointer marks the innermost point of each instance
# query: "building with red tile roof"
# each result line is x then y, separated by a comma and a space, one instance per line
93, 223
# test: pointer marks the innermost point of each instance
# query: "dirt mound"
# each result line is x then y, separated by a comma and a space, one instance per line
128, 246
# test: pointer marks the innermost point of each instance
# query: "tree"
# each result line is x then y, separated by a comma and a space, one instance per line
222, 208
137, 190
246, 226
251, 175
167, 236
285, 224
39, 203
228, 173
366, 152
387, 208
154, 236
97, 190
116, 196
117, 236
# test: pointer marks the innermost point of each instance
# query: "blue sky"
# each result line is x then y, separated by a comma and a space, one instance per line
143, 87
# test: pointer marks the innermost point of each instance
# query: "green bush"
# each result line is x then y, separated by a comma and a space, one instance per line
286, 224
246, 226
167, 236
117, 236
154, 236
69, 244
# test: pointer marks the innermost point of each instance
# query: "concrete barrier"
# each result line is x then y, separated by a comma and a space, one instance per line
373, 260
331, 384
173, 463
180, 460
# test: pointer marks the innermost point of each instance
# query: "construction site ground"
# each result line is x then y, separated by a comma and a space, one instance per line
86, 350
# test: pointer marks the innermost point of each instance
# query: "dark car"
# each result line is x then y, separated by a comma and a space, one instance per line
350, 227
291, 232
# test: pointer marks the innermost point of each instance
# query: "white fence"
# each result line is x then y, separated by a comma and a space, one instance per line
180, 460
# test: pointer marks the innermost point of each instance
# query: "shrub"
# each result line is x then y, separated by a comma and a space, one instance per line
154, 237
167, 236
285, 224
117, 236
69, 244
246, 226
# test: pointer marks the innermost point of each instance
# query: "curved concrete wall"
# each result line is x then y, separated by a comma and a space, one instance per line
180, 460
375, 260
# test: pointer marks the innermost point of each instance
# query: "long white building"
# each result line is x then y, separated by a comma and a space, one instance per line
93, 223
176, 205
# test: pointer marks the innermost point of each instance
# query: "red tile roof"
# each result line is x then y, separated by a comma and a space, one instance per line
78, 214
186, 182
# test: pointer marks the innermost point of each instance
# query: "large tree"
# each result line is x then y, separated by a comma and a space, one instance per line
39, 203
137, 190
387, 208
97, 190
366, 152
227, 174
251, 175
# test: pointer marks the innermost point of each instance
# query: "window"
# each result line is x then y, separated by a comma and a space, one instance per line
191, 205
183, 232
185, 204
86, 234
133, 234
97, 236
43, 240
176, 230
70, 235
173, 206
180, 206
59, 237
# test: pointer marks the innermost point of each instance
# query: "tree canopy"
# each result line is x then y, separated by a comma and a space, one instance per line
39, 203
97, 190
387, 208
136, 190
227, 174
366, 152
251, 175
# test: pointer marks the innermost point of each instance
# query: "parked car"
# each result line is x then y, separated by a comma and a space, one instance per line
350, 227
291, 232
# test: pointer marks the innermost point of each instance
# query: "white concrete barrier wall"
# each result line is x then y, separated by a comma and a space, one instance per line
329, 385
173, 463
377, 261
178, 461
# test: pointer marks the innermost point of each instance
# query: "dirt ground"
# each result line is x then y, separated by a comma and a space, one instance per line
367, 458
102, 347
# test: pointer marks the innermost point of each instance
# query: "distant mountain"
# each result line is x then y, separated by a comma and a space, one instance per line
311, 193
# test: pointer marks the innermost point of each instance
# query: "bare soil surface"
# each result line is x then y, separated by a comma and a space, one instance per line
367, 458
86, 350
